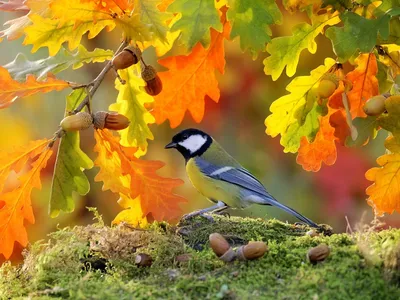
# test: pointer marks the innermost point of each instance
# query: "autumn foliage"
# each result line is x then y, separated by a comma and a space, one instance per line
189, 37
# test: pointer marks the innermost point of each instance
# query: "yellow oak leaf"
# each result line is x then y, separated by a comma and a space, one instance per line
130, 102
132, 213
45, 32
283, 119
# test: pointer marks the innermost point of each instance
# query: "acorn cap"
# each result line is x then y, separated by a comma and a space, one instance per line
134, 50
149, 73
99, 119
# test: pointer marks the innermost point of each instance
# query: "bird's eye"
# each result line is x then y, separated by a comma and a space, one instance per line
185, 136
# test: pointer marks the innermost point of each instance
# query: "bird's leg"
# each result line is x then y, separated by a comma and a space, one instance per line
217, 207
221, 211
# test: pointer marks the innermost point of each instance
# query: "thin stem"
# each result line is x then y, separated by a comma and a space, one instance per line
99, 79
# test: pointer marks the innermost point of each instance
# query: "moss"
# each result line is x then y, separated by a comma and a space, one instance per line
97, 262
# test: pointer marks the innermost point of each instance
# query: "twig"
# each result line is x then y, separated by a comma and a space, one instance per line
99, 79
91, 88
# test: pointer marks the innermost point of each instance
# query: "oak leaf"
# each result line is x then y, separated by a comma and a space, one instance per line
197, 17
15, 205
11, 90
125, 174
283, 120
131, 103
285, 51
190, 79
322, 149
132, 213
68, 176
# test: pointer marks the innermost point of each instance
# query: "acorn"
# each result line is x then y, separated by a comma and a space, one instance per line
143, 260
312, 233
153, 82
80, 121
127, 57
375, 105
327, 86
219, 244
110, 120
318, 254
252, 250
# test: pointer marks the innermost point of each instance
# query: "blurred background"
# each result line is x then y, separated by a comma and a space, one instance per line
237, 122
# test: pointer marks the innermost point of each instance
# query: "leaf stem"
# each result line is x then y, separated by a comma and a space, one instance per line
98, 80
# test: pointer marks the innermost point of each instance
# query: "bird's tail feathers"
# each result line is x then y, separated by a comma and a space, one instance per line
272, 201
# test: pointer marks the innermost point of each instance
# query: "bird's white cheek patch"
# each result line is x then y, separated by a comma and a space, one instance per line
220, 171
194, 143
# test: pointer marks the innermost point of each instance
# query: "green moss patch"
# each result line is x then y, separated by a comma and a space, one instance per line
98, 262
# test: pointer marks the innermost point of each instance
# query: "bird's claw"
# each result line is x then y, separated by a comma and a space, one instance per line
190, 216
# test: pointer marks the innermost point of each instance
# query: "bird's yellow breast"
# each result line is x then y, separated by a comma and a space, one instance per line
212, 189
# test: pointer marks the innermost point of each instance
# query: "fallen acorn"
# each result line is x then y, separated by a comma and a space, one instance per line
221, 247
80, 121
153, 82
252, 250
143, 260
318, 254
127, 57
312, 233
110, 120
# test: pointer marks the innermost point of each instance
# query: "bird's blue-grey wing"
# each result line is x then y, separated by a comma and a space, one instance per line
238, 176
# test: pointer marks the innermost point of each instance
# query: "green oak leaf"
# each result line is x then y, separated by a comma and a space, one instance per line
197, 17
68, 174
64, 59
366, 128
386, 6
292, 137
285, 51
384, 81
357, 33
394, 33
250, 21
150, 14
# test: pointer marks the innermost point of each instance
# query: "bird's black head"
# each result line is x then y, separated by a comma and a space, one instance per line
190, 142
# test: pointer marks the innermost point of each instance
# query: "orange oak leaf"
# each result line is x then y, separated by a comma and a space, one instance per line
364, 82
190, 79
116, 6
16, 207
322, 149
133, 177
11, 89
384, 193
337, 118
16, 159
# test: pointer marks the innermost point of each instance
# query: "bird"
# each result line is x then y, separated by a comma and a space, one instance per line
220, 178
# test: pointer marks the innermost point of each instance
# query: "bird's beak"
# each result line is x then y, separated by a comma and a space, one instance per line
171, 145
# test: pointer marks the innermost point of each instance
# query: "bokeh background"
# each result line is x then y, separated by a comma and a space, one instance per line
237, 122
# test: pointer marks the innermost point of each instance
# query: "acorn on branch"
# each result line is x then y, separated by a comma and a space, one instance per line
80, 121
110, 120
127, 57
375, 105
328, 84
153, 82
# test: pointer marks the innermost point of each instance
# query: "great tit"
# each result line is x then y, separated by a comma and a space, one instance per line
219, 177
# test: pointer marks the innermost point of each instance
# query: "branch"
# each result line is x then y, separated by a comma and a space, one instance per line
98, 80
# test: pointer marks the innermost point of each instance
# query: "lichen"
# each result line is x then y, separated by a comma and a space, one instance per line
98, 262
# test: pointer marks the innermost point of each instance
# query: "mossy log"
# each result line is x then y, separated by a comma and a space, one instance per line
98, 262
